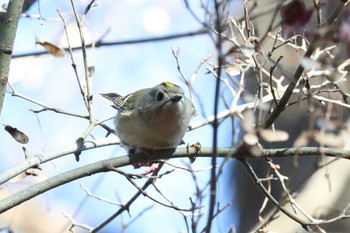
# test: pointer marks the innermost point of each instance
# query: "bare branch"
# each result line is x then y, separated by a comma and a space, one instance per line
103, 166
124, 42
144, 193
82, 91
75, 224
286, 96
7, 38
88, 193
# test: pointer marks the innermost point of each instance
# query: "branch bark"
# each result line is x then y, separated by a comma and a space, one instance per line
104, 166
7, 39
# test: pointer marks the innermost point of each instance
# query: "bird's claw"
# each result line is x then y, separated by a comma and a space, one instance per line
197, 146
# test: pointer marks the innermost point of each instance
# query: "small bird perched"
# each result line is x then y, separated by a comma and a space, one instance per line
152, 118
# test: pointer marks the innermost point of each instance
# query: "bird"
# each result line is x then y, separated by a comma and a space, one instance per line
152, 118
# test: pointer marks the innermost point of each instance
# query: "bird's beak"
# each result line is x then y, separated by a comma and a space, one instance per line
176, 98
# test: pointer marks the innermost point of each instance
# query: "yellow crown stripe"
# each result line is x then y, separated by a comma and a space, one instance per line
168, 84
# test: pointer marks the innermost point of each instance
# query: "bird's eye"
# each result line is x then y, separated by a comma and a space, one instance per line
160, 96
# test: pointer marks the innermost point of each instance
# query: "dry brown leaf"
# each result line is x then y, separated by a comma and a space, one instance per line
17, 135
270, 135
255, 150
303, 139
328, 139
51, 48
235, 68
247, 122
250, 138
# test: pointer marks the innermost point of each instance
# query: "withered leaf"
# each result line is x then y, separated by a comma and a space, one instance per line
17, 135
51, 48
303, 139
234, 68
250, 138
247, 122
328, 139
270, 135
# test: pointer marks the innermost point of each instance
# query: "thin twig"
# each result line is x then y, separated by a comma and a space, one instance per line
298, 73
89, 6
88, 193
45, 106
88, 83
219, 15
127, 205
126, 225
267, 194
82, 91
143, 192
271, 85
75, 224
123, 42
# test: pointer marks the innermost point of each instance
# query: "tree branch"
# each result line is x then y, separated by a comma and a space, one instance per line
287, 94
103, 166
101, 43
7, 38
33, 161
